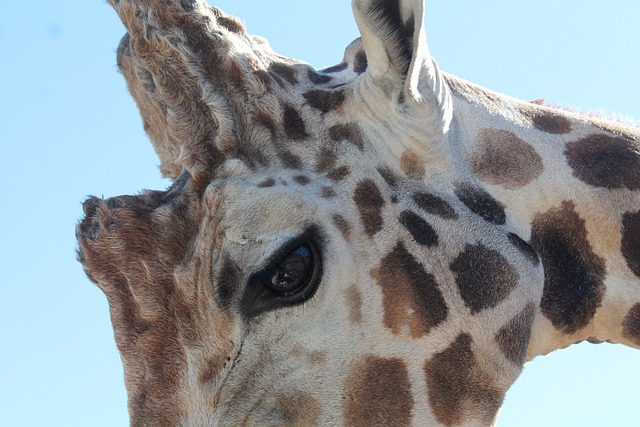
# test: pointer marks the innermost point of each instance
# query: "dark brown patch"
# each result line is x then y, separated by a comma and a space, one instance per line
387, 174
326, 163
524, 248
342, 225
227, 283
573, 273
287, 158
338, 174
631, 241
504, 159
347, 132
605, 161
482, 203
318, 78
301, 179
513, 338
631, 325
335, 68
299, 409
459, 391
326, 160
360, 62
412, 301
284, 71
294, 126
434, 205
325, 101
328, 193
270, 182
369, 201
378, 393
411, 165
548, 121
422, 232
484, 277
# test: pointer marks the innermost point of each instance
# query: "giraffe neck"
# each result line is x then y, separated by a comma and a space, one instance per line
568, 185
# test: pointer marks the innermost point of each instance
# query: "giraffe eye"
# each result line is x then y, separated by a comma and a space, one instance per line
290, 278
293, 272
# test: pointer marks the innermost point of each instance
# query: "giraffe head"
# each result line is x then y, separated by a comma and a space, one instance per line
314, 260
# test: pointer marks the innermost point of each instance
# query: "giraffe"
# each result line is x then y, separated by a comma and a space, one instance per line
376, 243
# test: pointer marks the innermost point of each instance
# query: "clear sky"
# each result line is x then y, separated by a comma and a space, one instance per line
68, 128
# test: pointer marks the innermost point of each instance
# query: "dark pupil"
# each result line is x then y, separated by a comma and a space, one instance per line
294, 271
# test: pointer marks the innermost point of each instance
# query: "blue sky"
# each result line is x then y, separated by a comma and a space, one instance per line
68, 128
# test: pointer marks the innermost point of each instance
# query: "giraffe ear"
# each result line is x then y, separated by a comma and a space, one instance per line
398, 57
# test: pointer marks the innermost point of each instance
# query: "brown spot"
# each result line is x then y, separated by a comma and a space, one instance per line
349, 132
270, 182
287, 158
284, 71
328, 193
548, 121
360, 62
326, 163
631, 325
482, 203
294, 126
434, 205
411, 297
338, 174
605, 161
421, 231
484, 277
459, 391
369, 201
573, 273
387, 174
342, 225
325, 101
326, 160
354, 302
301, 179
299, 409
411, 165
631, 241
335, 68
318, 78
513, 338
504, 159
378, 393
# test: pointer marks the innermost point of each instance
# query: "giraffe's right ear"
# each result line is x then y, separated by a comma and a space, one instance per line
398, 56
